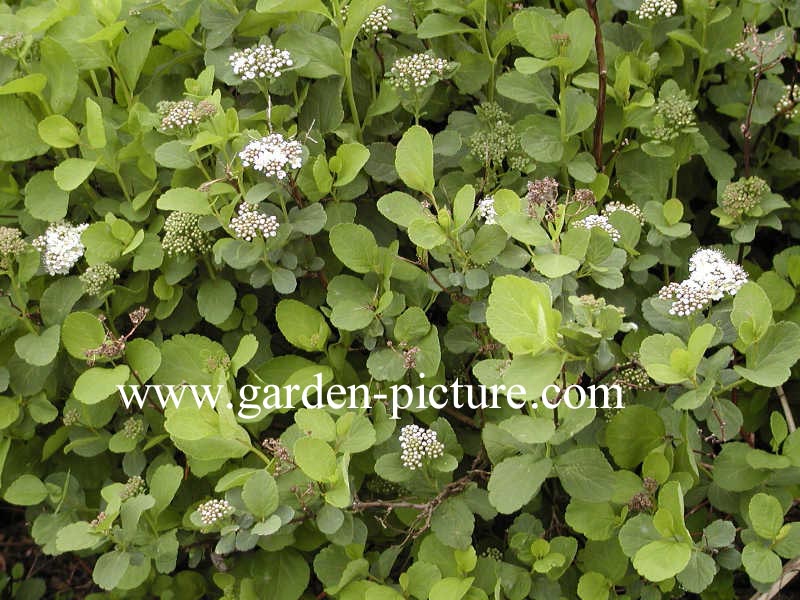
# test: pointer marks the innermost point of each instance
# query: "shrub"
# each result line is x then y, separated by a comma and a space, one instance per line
246, 197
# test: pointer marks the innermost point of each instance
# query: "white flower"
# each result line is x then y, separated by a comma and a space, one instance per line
711, 276
416, 71
214, 510
251, 223
486, 210
377, 20
259, 62
61, 247
273, 155
631, 209
180, 115
417, 445
650, 9
601, 222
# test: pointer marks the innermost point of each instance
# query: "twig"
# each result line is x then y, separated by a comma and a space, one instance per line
790, 571
787, 411
602, 72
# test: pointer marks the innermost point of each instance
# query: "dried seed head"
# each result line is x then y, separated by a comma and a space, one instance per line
543, 193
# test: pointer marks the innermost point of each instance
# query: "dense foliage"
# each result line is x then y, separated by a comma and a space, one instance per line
284, 192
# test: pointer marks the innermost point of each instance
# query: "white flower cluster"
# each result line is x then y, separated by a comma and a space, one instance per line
418, 445
133, 487
650, 9
601, 222
11, 41
632, 209
486, 210
377, 20
789, 104
251, 223
61, 247
273, 155
711, 276
416, 71
183, 114
259, 62
215, 510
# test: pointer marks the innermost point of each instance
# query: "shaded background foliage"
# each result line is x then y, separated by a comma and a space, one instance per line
521, 202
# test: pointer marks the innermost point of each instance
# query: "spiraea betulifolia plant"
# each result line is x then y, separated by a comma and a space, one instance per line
235, 194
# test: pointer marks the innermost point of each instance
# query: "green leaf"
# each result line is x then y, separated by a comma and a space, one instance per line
29, 84
770, 360
731, 470
662, 559
450, 588
520, 316
516, 480
438, 25
554, 266
355, 246
215, 300
95, 127
19, 137
260, 494
58, 132
766, 515
316, 459
453, 523
80, 332
98, 383
463, 205
400, 208
110, 568
595, 520
288, 6
535, 32
752, 312
26, 490
633, 433
44, 200
761, 563
133, 51
350, 158
77, 536
426, 233
488, 243
699, 573
586, 475
303, 327
184, 199
593, 586
657, 352
39, 350
72, 172
414, 159
61, 72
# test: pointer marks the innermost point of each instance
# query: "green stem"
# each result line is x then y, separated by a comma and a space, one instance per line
211, 271
351, 97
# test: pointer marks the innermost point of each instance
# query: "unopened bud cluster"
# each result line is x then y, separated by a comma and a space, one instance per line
97, 278
251, 223
98, 520
416, 72
631, 209
259, 62
496, 139
487, 211
11, 244
711, 277
674, 115
377, 21
183, 235
743, 195
61, 247
650, 9
273, 155
418, 445
632, 377
132, 428
213, 511
182, 115
789, 104
493, 553
71, 417
133, 487
599, 222
11, 41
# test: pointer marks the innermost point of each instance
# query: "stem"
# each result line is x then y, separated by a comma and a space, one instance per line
787, 411
351, 98
746, 133
602, 73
